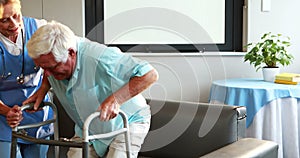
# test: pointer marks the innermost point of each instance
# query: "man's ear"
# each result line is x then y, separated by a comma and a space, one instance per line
72, 52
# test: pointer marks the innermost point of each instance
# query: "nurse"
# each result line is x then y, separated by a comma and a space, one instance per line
19, 79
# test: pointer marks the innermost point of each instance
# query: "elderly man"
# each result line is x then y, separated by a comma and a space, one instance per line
86, 77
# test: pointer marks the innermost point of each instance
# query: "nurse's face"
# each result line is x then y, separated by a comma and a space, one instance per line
58, 70
11, 20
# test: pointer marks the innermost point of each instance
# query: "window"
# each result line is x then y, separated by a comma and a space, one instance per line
166, 25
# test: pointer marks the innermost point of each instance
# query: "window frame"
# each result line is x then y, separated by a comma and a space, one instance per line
233, 31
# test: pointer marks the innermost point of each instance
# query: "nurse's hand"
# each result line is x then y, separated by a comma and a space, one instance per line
14, 116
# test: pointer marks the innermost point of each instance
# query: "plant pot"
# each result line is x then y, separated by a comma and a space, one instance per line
270, 73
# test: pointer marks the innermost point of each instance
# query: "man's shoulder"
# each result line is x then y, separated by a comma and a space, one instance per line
95, 49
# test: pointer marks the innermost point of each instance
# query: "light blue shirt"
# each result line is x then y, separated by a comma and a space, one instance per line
99, 72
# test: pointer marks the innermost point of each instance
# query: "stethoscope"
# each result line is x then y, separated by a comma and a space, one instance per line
20, 79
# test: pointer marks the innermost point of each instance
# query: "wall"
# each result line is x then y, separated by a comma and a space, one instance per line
188, 77
69, 12
280, 19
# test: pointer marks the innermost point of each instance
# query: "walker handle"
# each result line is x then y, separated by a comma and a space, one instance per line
30, 106
125, 131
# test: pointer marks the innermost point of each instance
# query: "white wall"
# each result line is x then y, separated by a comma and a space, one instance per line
69, 12
280, 19
189, 77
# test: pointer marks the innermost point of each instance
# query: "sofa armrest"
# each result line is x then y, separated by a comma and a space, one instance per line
241, 122
246, 148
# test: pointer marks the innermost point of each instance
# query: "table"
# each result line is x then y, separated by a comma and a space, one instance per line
273, 110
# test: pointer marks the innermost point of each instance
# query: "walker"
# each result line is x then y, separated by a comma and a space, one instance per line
17, 132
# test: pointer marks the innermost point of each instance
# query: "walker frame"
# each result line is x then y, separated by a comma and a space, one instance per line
17, 133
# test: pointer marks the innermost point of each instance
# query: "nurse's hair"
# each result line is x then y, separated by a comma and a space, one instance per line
5, 2
53, 37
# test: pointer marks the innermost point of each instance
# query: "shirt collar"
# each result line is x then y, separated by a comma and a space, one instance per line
74, 77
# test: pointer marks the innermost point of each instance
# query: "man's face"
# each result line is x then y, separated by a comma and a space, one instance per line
10, 20
58, 70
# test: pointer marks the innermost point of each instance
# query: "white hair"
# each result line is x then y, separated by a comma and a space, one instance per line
53, 37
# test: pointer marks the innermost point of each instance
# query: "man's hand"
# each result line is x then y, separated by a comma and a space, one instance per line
109, 109
39, 95
14, 116
111, 105
37, 98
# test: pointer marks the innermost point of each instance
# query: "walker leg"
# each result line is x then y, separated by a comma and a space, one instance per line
128, 143
85, 150
13, 149
56, 137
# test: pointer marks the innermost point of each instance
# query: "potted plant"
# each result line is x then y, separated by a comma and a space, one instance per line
269, 53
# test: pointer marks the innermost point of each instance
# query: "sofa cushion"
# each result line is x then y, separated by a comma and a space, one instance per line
247, 147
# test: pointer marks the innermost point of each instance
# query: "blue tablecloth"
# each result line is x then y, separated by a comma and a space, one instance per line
252, 93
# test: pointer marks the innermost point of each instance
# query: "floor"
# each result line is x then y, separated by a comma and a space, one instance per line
62, 152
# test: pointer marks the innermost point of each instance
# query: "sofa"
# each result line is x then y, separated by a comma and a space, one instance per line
187, 130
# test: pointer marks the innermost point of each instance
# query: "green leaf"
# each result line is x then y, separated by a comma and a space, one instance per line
270, 51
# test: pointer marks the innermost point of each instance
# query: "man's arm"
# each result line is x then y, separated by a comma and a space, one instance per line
40, 94
110, 106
